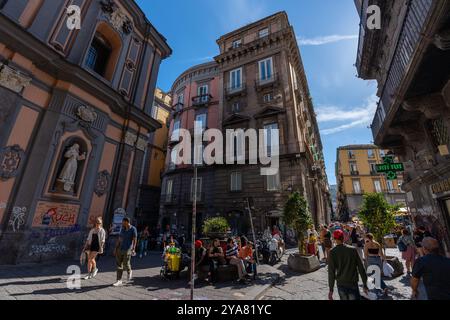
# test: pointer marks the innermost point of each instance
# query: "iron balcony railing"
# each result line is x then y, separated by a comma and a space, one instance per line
413, 25
201, 100
235, 90
271, 80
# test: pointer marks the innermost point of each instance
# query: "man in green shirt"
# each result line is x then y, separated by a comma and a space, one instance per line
343, 267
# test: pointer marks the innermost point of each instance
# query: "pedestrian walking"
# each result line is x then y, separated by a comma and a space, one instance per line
232, 257
344, 265
375, 256
434, 269
325, 239
357, 241
407, 247
95, 244
125, 249
144, 235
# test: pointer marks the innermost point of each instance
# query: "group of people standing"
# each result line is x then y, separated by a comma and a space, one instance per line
345, 263
238, 252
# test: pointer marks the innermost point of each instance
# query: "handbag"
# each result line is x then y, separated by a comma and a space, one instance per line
83, 257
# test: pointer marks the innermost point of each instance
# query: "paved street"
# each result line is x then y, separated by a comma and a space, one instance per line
48, 282
314, 286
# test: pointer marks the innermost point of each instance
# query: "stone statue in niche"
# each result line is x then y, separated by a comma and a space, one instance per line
69, 171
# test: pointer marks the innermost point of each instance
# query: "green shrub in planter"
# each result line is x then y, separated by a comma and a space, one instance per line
215, 225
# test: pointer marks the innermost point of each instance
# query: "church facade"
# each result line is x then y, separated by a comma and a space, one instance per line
75, 117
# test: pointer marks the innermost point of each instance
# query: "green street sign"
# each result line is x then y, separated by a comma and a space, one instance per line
390, 168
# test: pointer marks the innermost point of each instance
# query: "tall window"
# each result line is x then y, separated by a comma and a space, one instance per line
353, 167
273, 182
239, 146
268, 133
236, 79
382, 153
235, 107
202, 92
373, 167
181, 98
169, 187
377, 185
356, 186
351, 154
199, 189
236, 181
370, 153
237, 43
99, 54
390, 186
263, 32
265, 69
200, 119
268, 97
176, 131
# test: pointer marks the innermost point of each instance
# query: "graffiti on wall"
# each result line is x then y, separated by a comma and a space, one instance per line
50, 233
49, 248
17, 218
49, 214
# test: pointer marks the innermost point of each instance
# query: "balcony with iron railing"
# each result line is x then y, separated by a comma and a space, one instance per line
270, 81
178, 107
201, 100
409, 39
232, 91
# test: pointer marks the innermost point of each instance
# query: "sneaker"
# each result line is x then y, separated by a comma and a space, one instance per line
118, 283
130, 276
94, 273
89, 276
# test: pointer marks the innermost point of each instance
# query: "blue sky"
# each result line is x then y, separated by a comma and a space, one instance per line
327, 33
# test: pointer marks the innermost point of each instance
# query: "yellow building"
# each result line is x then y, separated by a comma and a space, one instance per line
154, 160
356, 174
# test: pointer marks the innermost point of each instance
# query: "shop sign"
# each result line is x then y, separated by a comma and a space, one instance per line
441, 187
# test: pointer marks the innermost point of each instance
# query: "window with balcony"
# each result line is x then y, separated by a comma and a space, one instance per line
236, 181
266, 70
351, 154
356, 186
239, 146
199, 189
270, 133
236, 79
263, 32
181, 98
377, 186
203, 93
273, 182
353, 168
237, 43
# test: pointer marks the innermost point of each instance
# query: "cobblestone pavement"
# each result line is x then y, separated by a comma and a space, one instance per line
49, 282
314, 286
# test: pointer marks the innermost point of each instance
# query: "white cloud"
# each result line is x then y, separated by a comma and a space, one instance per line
318, 41
234, 14
356, 117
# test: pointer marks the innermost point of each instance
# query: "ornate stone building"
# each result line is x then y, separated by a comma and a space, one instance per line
75, 114
256, 82
410, 59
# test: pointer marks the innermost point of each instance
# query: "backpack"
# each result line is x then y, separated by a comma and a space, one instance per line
402, 247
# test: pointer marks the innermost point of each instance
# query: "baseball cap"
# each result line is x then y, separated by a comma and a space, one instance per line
338, 234
198, 244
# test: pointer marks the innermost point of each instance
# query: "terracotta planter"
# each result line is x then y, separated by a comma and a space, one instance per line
303, 263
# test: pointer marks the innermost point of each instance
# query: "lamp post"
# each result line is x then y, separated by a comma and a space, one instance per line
253, 229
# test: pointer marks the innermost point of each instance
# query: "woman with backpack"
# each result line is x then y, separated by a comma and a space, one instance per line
407, 247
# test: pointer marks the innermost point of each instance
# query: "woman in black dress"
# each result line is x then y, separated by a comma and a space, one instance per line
94, 246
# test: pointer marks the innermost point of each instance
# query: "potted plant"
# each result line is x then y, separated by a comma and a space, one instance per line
216, 227
297, 216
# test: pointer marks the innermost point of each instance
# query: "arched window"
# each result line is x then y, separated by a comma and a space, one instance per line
104, 51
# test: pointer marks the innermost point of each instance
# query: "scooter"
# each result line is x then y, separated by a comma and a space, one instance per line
276, 248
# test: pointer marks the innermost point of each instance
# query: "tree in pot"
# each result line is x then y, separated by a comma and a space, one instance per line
216, 227
297, 216
379, 217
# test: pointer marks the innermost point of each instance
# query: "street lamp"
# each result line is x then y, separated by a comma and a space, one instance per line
194, 222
